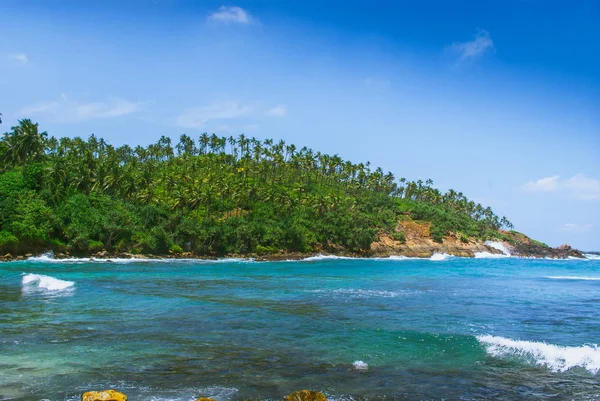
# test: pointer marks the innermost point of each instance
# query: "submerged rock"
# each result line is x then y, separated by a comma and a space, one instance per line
105, 395
205, 399
306, 395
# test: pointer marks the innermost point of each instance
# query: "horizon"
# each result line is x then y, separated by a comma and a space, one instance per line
499, 102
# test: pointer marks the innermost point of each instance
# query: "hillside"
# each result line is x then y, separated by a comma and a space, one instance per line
215, 196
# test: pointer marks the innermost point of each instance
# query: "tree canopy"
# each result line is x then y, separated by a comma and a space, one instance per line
209, 195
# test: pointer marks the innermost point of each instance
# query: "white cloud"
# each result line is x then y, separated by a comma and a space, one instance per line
583, 187
278, 111
466, 51
19, 57
231, 15
577, 228
543, 184
577, 187
68, 110
198, 117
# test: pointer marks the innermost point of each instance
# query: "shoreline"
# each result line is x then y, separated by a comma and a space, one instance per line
281, 257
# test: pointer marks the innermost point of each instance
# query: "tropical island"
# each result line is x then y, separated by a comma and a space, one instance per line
218, 196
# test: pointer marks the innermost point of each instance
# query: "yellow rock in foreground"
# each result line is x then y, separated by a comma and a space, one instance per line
106, 395
205, 399
306, 395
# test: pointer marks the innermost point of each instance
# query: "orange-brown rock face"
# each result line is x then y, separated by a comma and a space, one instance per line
418, 243
306, 395
106, 395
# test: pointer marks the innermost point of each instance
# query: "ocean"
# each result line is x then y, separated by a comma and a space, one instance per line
444, 328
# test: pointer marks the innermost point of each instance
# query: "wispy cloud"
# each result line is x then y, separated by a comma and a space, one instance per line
543, 184
278, 111
198, 117
69, 110
577, 228
577, 187
465, 51
231, 15
21, 58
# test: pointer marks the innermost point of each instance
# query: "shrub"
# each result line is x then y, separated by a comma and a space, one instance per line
175, 249
399, 236
8, 242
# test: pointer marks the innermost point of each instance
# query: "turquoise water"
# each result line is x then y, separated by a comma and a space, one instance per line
468, 329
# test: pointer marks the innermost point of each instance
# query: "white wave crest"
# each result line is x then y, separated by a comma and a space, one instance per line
591, 256
360, 365
440, 256
324, 257
555, 357
586, 278
46, 283
49, 258
499, 246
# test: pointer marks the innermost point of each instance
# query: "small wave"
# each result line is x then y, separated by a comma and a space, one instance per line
440, 256
586, 278
325, 257
499, 246
49, 258
360, 365
46, 283
591, 256
557, 358
359, 293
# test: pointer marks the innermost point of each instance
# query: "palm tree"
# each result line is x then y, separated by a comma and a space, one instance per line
25, 143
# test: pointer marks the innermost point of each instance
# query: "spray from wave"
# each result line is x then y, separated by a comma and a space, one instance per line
555, 357
45, 283
440, 256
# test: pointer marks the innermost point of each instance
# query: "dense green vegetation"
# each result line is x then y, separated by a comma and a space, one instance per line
210, 196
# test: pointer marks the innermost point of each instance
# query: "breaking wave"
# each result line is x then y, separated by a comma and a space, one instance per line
555, 357
45, 283
586, 278
49, 258
591, 256
440, 256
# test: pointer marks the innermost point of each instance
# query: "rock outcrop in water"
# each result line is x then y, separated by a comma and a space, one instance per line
306, 395
112, 395
105, 395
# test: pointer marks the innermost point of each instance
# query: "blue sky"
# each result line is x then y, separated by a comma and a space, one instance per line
499, 100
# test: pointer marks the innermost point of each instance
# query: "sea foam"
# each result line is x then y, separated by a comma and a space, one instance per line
591, 256
49, 258
555, 357
440, 256
45, 283
360, 365
499, 246
585, 278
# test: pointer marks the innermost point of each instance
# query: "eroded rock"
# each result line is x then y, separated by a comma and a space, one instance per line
105, 395
306, 395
